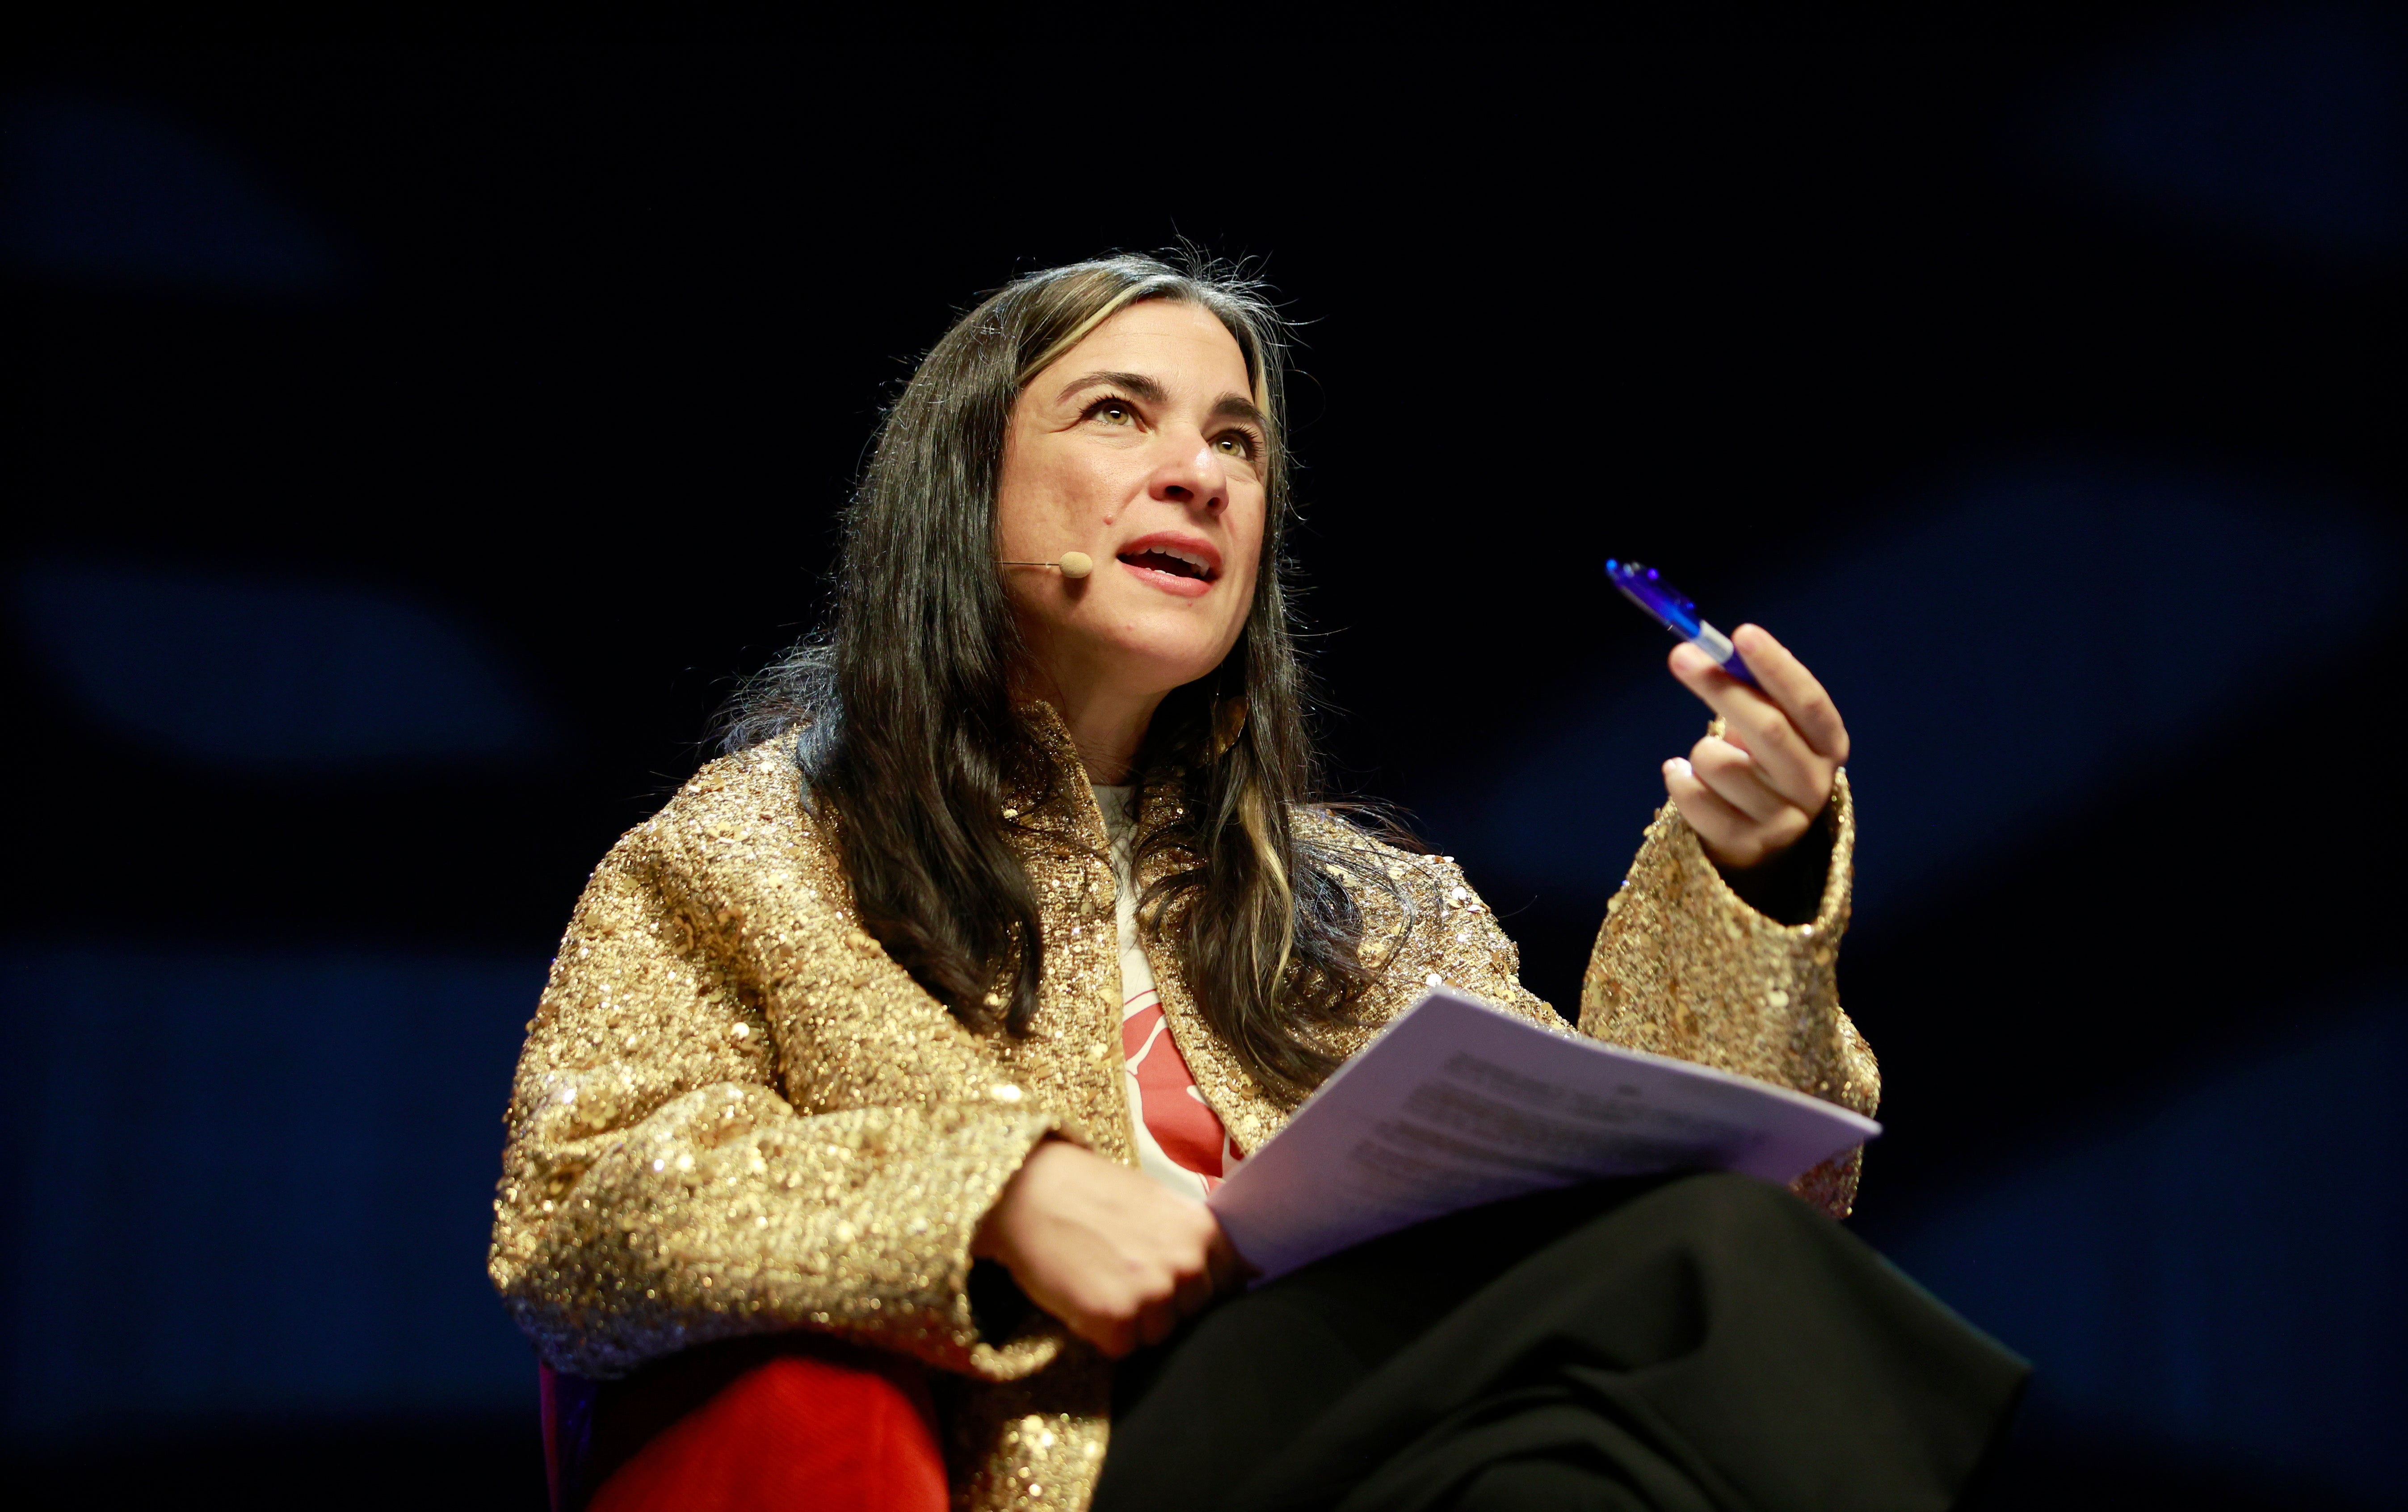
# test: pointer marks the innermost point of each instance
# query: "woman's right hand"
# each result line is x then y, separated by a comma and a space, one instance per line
1108, 1251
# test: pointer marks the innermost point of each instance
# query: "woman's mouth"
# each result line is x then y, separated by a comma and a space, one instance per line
1185, 567
1162, 559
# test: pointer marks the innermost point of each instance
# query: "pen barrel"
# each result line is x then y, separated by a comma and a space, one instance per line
1718, 646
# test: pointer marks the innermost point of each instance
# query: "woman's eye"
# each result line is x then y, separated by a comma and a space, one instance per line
1113, 412
1236, 444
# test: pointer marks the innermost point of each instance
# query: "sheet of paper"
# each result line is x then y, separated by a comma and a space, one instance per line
1459, 1104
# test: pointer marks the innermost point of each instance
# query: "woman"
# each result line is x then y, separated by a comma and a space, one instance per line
917, 1025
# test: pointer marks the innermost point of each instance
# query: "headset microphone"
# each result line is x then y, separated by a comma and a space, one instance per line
1073, 564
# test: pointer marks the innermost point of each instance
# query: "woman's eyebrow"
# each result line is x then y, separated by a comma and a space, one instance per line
1140, 387
1237, 406
1138, 384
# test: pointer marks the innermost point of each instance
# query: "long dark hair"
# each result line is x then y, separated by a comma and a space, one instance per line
904, 724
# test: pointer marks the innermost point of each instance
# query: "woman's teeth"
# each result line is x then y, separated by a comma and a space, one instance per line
1171, 560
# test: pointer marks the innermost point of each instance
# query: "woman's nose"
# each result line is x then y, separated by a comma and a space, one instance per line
1199, 481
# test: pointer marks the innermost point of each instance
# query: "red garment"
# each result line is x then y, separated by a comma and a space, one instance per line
815, 1424
1181, 1141
1183, 1125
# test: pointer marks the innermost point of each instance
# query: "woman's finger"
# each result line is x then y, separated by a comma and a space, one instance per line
1790, 685
1783, 762
1728, 834
1755, 725
1734, 778
1114, 1338
1195, 1293
1155, 1324
1719, 691
1230, 1269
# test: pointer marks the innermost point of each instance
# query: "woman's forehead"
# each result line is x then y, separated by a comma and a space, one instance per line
1179, 343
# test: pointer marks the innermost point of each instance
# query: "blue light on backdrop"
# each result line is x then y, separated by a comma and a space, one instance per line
255, 1186
2012, 650
287, 1151
2215, 1270
273, 674
2286, 126
116, 191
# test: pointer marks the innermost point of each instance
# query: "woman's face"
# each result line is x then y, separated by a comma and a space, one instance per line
1143, 448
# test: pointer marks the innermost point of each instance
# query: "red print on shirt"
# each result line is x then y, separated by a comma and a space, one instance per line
1175, 1113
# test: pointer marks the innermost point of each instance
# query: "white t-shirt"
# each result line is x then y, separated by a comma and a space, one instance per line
1180, 1141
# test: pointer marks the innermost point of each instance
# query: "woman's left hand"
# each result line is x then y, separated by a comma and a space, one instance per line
1753, 791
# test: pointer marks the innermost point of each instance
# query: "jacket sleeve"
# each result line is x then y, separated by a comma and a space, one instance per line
658, 1192
1683, 967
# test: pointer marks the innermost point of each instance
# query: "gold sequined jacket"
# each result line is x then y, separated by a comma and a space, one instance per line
736, 1115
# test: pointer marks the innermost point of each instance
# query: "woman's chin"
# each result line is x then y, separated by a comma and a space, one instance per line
1155, 666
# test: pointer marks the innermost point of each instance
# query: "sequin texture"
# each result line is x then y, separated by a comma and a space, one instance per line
736, 1115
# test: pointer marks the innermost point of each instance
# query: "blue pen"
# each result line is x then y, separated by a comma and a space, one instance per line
1678, 613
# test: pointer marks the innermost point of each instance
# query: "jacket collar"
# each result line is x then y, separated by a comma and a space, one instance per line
1055, 805
1070, 819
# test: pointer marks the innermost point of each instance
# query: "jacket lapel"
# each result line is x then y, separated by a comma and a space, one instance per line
1232, 1094
1075, 1040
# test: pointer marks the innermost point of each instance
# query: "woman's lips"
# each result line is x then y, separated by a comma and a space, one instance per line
1180, 564
1170, 582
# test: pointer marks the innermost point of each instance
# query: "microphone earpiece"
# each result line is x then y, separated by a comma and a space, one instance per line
1073, 564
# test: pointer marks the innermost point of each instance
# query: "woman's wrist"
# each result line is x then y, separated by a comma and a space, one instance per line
987, 1241
1787, 887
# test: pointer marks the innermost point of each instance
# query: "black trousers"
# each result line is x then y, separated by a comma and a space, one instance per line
1684, 1344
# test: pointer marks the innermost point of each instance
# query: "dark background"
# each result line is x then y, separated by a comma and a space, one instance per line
408, 443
